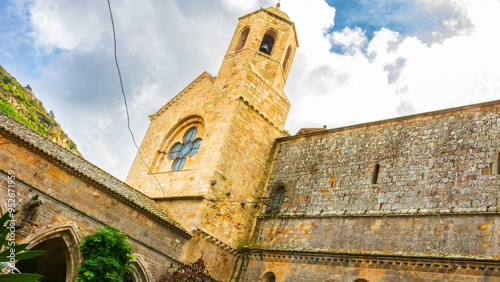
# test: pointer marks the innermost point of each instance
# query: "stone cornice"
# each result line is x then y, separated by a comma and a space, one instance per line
205, 235
478, 265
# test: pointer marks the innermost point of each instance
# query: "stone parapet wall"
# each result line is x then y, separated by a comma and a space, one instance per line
451, 233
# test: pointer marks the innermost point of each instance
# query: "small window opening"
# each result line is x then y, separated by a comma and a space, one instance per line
269, 277
277, 199
242, 39
375, 174
287, 59
498, 164
267, 44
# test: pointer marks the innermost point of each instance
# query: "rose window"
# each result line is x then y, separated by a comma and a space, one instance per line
180, 151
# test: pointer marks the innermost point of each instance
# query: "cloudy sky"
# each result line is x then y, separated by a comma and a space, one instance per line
358, 60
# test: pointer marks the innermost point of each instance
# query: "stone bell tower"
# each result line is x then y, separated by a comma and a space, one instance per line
208, 149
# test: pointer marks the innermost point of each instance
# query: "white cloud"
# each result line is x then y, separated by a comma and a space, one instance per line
67, 24
429, 77
163, 46
351, 39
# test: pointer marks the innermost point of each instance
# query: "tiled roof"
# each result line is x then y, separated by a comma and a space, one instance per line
88, 170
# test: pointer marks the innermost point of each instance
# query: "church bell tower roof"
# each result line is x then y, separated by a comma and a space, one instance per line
277, 12
272, 10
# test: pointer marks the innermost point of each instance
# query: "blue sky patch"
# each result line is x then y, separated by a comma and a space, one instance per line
427, 21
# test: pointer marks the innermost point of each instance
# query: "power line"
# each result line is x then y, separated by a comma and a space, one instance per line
125, 100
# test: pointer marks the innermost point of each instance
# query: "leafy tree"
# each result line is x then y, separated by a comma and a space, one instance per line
106, 256
28, 87
13, 252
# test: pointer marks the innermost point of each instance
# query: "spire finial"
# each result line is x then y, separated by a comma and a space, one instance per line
278, 5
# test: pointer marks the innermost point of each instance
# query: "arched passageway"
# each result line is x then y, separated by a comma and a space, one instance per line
52, 264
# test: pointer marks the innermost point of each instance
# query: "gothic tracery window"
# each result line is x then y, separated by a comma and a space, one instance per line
277, 199
188, 148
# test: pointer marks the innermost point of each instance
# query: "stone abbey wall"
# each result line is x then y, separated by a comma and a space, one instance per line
432, 214
440, 160
437, 188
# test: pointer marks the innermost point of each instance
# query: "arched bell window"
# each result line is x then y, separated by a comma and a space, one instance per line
286, 61
242, 39
266, 46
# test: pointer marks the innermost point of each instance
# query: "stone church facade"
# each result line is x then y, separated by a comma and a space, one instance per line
407, 199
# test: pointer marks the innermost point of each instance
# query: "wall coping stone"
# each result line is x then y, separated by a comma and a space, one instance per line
416, 117
399, 212
376, 253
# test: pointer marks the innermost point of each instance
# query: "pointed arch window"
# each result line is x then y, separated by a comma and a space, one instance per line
188, 148
242, 39
277, 200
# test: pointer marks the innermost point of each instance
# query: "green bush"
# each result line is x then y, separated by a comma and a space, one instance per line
8, 109
106, 256
72, 145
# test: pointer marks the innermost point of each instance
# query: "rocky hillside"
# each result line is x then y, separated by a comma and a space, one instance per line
20, 103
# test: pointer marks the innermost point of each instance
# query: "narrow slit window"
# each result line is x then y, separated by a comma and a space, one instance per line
375, 174
498, 163
287, 59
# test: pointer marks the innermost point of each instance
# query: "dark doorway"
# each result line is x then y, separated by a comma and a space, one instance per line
52, 264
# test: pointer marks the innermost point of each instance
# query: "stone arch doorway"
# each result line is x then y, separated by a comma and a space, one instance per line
53, 264
140, 271
62, 257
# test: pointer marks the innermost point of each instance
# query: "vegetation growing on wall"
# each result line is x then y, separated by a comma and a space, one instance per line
106, 256
20, 103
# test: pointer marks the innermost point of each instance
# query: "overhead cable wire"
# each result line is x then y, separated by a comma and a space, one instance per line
125, 100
